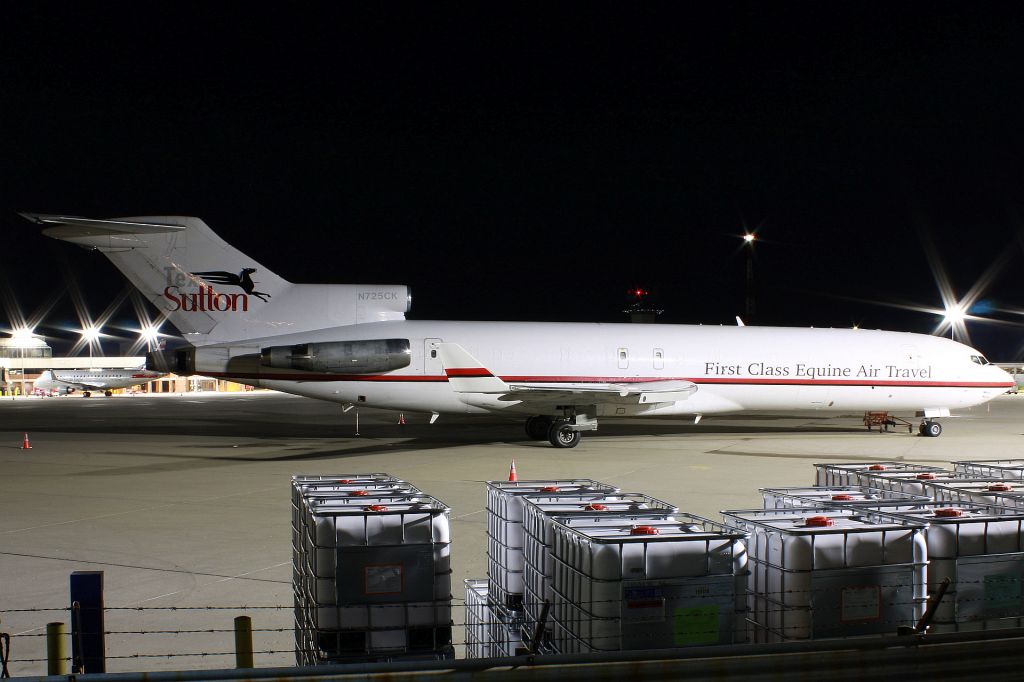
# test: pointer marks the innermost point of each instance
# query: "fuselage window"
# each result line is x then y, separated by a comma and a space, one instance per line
659, 358
623, 358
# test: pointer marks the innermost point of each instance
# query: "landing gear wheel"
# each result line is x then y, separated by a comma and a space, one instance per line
930, 429
562, 435
537, 427
108, 393
86, 394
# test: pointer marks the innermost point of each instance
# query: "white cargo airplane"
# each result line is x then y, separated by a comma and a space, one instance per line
351, 344
88, 380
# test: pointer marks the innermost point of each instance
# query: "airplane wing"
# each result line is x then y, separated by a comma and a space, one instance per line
467, 376
633, 393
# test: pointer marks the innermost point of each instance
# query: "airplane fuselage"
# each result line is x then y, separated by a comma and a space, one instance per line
735, 368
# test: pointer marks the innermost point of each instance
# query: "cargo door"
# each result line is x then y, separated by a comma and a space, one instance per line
431, 358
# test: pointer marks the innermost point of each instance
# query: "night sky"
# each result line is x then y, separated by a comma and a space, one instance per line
535, 165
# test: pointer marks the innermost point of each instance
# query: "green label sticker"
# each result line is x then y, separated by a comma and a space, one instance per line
1002, 591
696, 625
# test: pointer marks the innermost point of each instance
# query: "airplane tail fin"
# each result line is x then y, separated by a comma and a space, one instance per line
212, 292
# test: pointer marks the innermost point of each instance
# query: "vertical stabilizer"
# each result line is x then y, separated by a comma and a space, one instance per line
209, 290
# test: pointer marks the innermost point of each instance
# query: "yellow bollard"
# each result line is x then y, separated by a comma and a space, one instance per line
243, 642
56, 648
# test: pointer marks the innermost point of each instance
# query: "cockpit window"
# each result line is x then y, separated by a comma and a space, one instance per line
980, 359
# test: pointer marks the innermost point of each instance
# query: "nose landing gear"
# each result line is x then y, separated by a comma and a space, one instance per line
930, 429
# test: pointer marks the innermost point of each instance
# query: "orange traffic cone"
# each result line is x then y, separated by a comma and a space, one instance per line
512, 472
401, 419
26, 445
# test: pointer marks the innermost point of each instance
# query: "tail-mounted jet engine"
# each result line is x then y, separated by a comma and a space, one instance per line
340, 357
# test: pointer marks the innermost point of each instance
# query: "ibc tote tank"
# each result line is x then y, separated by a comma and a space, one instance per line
647, 585
822, 572
505, 561
375, 582
848, 495
849, 473
992, 468
981, 549
583, 509
989, 491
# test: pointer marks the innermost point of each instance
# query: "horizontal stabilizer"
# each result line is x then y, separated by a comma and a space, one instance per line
61, 227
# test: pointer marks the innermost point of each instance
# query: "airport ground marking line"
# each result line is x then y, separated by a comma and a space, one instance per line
462, 516
135, 511
215, 582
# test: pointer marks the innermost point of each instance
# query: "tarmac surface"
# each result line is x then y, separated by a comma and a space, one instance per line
183, 501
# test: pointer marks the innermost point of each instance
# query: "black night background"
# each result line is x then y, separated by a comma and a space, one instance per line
535, 161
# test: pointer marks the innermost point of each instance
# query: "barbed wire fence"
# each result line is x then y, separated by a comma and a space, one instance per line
969, 595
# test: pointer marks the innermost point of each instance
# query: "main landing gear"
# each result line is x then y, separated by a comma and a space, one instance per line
930, 429
564, 432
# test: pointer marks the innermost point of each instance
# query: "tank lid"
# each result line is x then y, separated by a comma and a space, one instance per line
643, 530
818, 521
948, 512
377, 507
1000, 488
595, 506
877, 467
549, 489
843, 497
359, 493
926, 476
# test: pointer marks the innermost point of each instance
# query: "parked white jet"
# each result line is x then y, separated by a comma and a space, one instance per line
89, 380
352, 344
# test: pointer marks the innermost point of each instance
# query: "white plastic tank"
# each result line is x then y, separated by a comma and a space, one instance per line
505, 539
1000, 492
982, 552
826, 572
372, 574
849, 473
914, 482
477, 620
993, 468
781, 498
646, 584
575, 510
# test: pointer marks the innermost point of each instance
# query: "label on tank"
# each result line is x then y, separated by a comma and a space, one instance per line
989, 587
697, 625
382, 579
861, 603
846, 602
368, 575
680, 612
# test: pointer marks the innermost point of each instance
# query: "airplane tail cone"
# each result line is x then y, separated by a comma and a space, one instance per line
25, 444
401, 419
512, 472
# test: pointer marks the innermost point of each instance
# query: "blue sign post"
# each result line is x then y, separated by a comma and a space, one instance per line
88, 642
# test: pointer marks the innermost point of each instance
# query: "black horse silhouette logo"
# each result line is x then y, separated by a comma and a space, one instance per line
241, 280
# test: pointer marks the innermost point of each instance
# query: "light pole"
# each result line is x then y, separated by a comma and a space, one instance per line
748, 240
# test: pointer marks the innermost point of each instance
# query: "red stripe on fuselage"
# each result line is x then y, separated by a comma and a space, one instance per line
421, 378
468, 372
